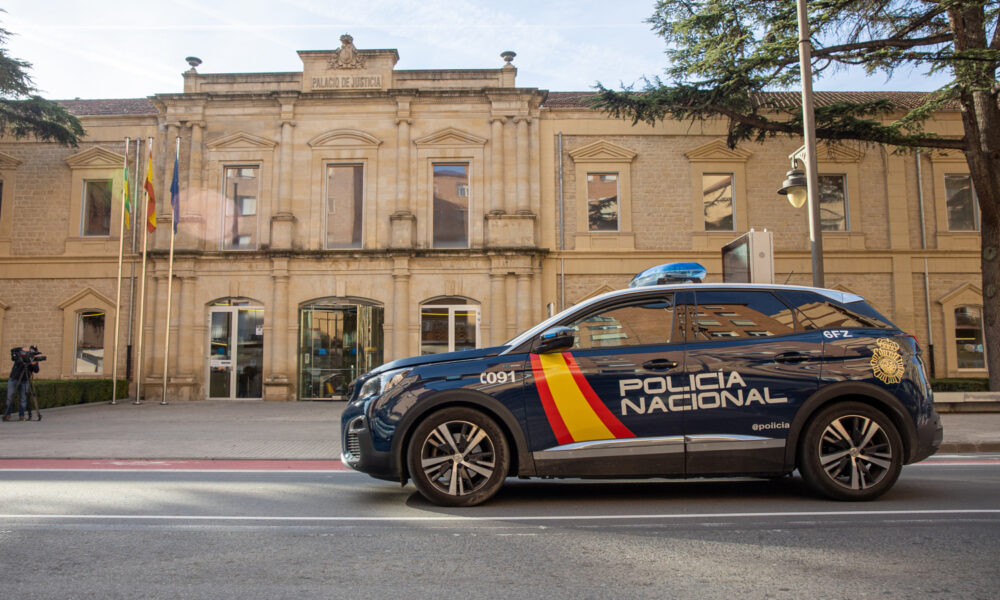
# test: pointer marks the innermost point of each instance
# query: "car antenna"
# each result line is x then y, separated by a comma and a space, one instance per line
789, 276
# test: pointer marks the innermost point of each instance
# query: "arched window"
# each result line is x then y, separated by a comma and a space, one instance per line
969, 337
449, 324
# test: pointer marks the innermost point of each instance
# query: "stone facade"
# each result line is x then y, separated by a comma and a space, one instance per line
522, 158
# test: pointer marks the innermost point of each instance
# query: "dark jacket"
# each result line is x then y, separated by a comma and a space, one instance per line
19, 366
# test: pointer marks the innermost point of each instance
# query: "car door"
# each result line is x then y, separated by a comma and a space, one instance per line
749, 369
599, 409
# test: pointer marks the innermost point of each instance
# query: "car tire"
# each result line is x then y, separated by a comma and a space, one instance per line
851, 451
458, 457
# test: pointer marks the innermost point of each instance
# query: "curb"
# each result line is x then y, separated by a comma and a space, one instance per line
968, 447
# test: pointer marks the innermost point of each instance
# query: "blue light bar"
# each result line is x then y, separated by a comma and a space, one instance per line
689, 272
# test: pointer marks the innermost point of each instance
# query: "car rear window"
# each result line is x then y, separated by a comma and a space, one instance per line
814, 311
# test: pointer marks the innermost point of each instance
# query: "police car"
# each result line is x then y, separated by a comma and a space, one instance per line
658, 380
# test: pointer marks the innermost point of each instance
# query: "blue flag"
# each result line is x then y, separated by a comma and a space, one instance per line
175, 196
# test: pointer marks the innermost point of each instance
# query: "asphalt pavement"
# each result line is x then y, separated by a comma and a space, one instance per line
213, 429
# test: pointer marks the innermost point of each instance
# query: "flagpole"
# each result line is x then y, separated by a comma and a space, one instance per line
170, 270
142, 285
131, 287
118, 290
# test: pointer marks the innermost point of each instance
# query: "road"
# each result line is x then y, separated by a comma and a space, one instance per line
269, 534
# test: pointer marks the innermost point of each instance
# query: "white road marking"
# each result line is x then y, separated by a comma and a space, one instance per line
463, 519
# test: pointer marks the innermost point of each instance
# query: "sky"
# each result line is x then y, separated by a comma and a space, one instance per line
137, 48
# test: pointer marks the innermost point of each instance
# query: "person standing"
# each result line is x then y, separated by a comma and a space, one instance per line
20, 378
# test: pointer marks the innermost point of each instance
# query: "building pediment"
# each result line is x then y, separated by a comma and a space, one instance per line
601, 289
717, 151
602, 151
838, 153
8, 162
88, 296
963, 294
450, 137
241, 140
340, 138
97, 156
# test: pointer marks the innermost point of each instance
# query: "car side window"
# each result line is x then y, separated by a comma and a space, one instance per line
630, 324
727, 315
817, 312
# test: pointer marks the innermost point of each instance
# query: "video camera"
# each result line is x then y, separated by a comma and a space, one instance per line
26, 357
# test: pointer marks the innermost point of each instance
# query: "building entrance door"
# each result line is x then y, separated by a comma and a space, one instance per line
236, 350
337, 342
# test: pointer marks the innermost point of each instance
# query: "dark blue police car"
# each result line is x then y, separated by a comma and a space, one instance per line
692, 380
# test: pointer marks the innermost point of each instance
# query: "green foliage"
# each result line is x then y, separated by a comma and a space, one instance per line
960, 384
23, 113
725, 56
66, 392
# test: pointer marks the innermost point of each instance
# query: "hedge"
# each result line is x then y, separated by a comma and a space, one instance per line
66, 392
960, 384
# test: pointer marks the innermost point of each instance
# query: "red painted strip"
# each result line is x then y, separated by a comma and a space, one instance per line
605, 415
176, 465
551, 412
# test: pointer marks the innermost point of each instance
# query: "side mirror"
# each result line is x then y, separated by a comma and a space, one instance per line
555, 339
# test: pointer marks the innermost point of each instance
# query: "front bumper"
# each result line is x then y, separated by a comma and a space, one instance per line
360, 454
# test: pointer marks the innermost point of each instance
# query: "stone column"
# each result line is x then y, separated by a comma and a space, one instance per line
191, 348
401, 312
524, 302
535, 161
498, 309
523, 204
510, 314
277, 359
282, 217
164, 214
403, 221
191, 229
510, 171
496, 167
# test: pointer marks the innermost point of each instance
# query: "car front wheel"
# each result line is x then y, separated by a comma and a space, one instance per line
458, 457
851, 451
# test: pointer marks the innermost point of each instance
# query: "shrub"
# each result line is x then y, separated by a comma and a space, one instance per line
65, 392
960, 384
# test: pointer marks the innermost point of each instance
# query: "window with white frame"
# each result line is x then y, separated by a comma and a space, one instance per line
969, 337
833, 205
448, 325
963, 206
96, 219
241, 189
344, 205
451, 205
717, 195
89, 351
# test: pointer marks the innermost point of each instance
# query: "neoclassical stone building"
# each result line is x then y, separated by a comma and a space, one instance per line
351, 213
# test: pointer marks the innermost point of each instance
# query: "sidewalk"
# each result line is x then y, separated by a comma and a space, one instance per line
240, 430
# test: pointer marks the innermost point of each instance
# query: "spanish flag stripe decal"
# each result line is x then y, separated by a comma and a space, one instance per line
605, 415
575, 411
551, 413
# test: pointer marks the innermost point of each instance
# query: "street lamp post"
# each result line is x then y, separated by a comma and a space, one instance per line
807, 154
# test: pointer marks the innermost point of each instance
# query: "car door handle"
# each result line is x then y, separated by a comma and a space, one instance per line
791, 357
659, 364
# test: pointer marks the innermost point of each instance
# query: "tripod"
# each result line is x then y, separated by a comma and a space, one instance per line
32, 395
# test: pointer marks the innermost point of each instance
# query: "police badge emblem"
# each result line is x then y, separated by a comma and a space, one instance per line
887, 362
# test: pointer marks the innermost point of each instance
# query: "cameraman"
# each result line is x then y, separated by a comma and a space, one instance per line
25, 364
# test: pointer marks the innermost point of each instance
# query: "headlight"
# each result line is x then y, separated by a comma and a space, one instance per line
382, 383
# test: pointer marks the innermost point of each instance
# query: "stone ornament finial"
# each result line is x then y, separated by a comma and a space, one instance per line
348, 57
508, 56
194, 62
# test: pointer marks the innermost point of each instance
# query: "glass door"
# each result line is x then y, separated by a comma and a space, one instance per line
337, 343
236, 352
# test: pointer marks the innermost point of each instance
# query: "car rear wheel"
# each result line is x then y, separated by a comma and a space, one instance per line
458, 457
851, 451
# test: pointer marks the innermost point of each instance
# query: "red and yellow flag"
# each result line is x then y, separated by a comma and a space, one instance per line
574, 411
151, 199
